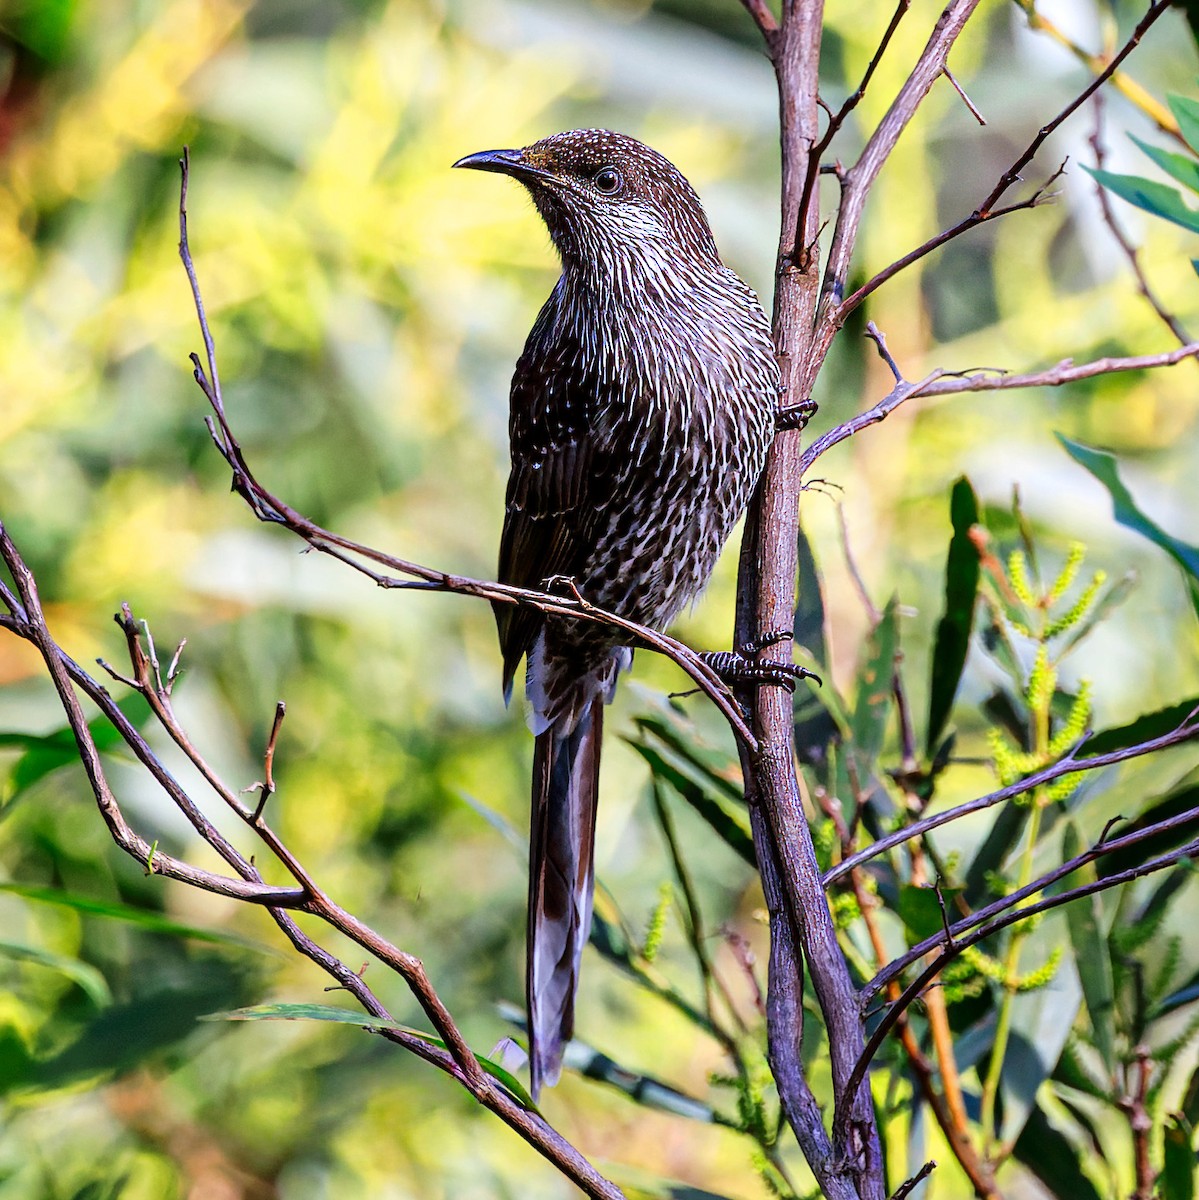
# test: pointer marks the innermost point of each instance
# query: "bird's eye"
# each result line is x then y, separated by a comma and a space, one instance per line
608, 181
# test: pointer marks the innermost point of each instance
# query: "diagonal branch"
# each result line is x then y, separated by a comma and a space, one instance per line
1067, 766
944, 383
951, 951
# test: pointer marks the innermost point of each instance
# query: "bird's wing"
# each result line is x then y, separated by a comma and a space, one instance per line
563, 475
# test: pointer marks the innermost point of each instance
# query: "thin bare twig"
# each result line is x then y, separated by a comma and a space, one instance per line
764, 19
987, 211
957, 87
943, 383
908, 1186
859, 179
815, 167
1130, 251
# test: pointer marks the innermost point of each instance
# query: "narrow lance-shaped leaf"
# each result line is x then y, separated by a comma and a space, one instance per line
873, 706
1092, 954
1177, 166
962, 571
346, 1016
815, 725
1186, 113
1103, 466
726, 826
1157, 198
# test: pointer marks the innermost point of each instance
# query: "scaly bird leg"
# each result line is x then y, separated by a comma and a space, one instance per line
738, 668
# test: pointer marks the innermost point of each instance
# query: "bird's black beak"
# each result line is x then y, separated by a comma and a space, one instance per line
504, 162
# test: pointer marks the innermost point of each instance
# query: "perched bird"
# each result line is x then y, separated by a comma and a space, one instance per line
642, 409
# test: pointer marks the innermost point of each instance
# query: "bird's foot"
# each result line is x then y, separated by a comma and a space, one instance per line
738, 669
794, 416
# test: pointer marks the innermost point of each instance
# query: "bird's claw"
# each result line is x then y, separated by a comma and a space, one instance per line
737, 669
794, 416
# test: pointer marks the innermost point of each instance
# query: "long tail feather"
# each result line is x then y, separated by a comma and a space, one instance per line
561, 879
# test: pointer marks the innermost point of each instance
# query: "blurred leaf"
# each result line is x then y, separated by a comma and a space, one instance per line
920, 910
345, 1016
873, 706
815, 725
1143, 729
727, 827
1156, 198
1175, 804
1053, 1159
89, 979
1185, 110
146, 919
1041, 1024
1103, 466
45, 753
642, 1089
126, 1035
1003, 835
1177, 166
1178, 1160
714, 767
962, 572
1092, 954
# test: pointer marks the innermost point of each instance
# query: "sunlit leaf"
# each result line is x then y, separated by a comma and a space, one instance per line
1156, 198
1103, 466
89, 979
1177, 166
1186, 113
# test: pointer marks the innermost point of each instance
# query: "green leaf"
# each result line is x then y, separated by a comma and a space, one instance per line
1177, 166
1053, 1159
920, 910
1144, 728
346, 1016
815, 724
1186, 113
1041, 1024
1178, 1160
715, 768
152, 922
1092, 954
1156, 198
727, 827
90, 980
873, 706
45, 753
962, 571
1103, 466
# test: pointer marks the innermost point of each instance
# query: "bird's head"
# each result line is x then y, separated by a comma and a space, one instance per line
609, 201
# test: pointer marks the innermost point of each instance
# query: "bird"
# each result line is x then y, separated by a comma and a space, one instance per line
642, 409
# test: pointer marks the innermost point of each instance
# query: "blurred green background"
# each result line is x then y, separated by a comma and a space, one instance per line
368, 304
